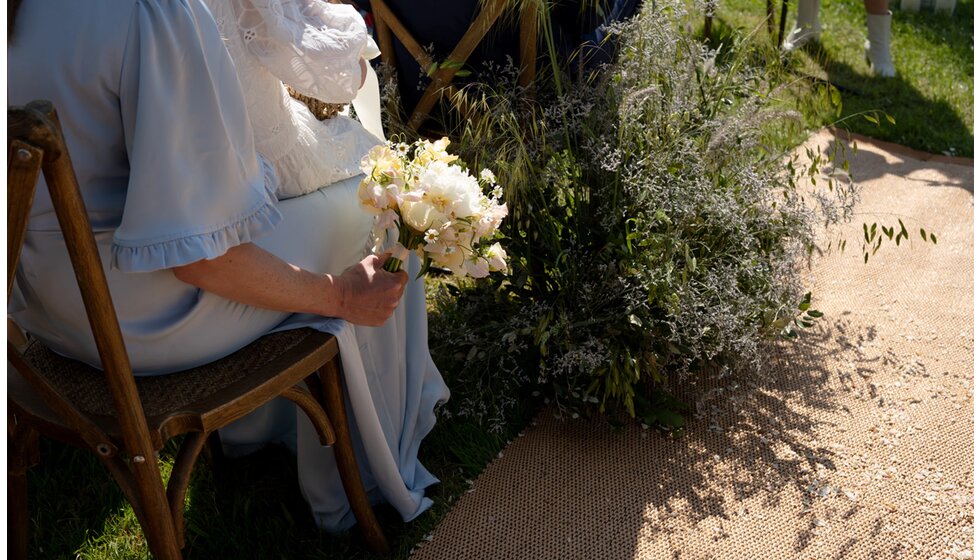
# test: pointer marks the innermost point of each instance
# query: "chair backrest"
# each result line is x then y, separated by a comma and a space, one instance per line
36, 145
388, 25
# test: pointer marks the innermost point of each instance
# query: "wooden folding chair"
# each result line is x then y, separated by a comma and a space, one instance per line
126, 420
387, 24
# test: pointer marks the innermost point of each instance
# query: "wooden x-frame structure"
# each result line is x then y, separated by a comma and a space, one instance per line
388, 25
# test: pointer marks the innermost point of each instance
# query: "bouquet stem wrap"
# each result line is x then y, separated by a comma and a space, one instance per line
399, 253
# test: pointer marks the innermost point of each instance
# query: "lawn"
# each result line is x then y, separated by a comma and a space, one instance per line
931, 100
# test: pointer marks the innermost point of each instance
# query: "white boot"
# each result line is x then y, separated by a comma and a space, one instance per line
877, 47
807, 26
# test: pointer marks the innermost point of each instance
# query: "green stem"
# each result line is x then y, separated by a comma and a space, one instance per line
393, 264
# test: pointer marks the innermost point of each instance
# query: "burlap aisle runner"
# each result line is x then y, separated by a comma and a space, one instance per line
862, 447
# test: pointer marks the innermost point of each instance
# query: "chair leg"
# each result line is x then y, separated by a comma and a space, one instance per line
144, 490
23, 454
140, 481
346, 462
215, 454
180, 477
18, 522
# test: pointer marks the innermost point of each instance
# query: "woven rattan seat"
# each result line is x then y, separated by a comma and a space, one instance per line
85, 386
125, 420
169, 401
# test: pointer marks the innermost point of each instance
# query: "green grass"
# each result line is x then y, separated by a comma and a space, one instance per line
931, 100
249, 508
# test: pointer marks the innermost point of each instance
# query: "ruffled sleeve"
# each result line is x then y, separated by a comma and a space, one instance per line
312, 45
196, 186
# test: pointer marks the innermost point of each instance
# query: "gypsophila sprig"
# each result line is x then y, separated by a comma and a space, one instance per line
439, 209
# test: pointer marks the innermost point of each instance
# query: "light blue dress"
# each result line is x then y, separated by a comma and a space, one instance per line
154, 116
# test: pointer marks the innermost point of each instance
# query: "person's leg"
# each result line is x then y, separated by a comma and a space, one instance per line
807, 26
876, 7
877, 48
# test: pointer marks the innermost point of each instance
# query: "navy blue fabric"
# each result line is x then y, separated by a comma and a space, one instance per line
578, 32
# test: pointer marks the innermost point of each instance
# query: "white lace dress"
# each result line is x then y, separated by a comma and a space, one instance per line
315, 47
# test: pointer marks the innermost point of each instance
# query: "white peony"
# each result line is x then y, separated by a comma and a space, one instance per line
451, 190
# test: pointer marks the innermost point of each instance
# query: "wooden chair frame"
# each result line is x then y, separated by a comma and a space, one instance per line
388, 25
128, 443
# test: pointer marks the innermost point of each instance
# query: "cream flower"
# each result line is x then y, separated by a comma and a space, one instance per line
422, 216
477, 267
451, 190
429, 152
454, 260
496, 258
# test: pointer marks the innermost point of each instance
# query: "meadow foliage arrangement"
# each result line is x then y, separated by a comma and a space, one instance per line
653, 231
439, 210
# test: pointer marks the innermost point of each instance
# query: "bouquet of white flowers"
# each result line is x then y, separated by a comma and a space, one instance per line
440, 210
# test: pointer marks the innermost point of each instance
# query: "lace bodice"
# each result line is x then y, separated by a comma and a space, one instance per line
315, 47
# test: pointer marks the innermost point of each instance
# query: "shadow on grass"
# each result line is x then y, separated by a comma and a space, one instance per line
71, 498
955, 30
867, 165
932, 125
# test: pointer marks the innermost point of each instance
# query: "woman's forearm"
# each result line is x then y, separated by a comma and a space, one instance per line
365, 294
251, 275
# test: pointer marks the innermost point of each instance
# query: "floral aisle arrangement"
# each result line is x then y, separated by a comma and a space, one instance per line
438, 208
655, 231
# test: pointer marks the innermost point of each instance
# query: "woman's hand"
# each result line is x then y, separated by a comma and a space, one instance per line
370, 294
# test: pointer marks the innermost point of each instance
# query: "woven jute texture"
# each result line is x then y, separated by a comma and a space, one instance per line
857, 444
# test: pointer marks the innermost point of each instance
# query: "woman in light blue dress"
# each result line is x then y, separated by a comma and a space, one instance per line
201, 256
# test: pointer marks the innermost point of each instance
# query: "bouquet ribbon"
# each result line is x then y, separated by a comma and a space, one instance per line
400, 252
